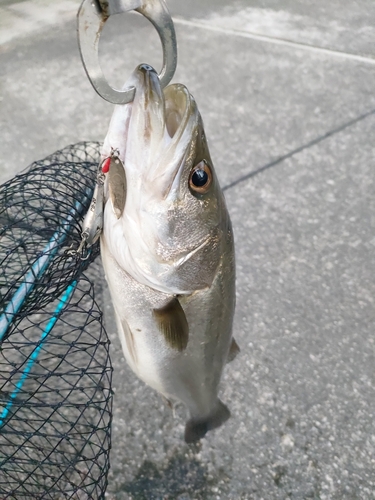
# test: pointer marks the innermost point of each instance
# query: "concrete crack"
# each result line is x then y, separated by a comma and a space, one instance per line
319, 139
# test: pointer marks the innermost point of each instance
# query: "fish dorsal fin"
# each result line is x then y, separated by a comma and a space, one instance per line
117, 186
173, 324
233, 351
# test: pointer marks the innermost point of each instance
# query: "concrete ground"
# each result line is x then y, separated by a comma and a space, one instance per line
287, 93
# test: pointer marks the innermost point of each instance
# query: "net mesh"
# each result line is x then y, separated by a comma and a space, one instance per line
55, 370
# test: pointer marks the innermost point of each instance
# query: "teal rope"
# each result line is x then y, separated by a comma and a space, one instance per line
34, 355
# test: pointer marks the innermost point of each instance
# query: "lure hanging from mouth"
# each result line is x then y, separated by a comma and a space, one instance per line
167, 250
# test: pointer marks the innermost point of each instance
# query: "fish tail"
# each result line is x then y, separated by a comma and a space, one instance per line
196, 428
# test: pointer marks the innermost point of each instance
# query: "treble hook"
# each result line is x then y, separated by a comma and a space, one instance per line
92, 16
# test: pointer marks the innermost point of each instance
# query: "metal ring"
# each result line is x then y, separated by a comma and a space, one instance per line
91, 18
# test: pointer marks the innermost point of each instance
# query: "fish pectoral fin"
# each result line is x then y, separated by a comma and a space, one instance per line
172, 323
233, 351
196, 428
117, 186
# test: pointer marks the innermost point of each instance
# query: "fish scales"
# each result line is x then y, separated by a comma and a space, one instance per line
167, 250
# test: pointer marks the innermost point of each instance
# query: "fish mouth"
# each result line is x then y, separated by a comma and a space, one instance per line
153, 134
161, 128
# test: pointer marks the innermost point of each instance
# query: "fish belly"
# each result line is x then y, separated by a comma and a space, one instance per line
193, 375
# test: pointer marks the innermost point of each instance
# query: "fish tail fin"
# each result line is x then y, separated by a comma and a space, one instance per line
196, 428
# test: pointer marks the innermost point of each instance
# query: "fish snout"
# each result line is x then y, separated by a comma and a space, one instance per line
146, 68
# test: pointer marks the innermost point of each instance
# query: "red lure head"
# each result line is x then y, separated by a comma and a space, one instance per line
105, 165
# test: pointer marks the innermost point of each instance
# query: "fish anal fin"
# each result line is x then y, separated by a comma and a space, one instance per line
172, 323
169, 404
233, 351
196, 428
117, 186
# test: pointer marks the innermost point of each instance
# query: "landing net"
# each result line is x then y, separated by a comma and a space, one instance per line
55, 370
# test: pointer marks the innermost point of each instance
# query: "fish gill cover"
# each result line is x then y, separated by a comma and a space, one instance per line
55, 370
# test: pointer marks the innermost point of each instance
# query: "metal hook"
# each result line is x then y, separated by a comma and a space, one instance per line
92, 16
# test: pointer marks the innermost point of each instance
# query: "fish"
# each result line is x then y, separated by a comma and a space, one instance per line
167, 249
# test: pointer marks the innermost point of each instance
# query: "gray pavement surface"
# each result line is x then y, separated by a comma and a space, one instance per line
291, 132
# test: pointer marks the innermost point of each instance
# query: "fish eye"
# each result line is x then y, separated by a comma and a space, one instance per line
200, 178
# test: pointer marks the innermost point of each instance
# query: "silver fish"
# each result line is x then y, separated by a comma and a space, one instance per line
167, 250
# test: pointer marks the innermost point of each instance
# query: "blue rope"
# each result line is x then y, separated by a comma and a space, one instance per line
34, 355
36, 271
